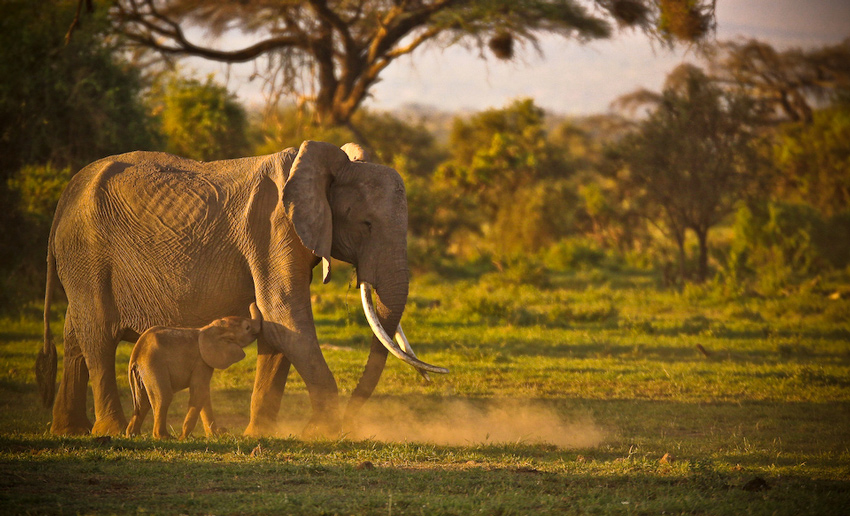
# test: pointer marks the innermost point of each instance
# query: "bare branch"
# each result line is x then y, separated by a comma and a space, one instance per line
337, 49
157, 24
76, 22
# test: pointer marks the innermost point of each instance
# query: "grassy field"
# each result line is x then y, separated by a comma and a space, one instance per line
586, 393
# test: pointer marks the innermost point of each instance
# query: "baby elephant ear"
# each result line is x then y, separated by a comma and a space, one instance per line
218, 351
356, 152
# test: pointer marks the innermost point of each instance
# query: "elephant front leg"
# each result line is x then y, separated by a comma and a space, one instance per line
69, 409
366, 386
324, 394
199, 403
272, 372
301, 349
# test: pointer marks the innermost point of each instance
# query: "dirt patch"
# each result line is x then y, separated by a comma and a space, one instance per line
464, 422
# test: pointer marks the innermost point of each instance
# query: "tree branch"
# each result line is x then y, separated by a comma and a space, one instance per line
174, 32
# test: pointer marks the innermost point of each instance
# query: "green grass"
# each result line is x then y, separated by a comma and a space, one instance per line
563, 399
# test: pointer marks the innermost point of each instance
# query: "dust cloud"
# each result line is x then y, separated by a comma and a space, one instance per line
468, 422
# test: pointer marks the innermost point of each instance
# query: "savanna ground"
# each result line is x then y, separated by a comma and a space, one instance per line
592, 392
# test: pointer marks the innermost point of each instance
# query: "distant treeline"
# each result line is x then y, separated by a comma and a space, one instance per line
737, 173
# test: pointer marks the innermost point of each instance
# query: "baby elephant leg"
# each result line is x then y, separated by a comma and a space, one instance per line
199, 397
141, 402
160, 401
141, 408
210, 426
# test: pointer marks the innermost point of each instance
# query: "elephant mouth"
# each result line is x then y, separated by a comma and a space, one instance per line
403, 351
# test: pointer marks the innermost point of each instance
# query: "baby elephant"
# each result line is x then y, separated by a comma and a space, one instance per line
166, 360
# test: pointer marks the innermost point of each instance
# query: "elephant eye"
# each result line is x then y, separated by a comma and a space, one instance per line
368, 225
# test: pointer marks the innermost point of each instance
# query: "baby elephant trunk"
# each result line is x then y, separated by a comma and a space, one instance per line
256, 319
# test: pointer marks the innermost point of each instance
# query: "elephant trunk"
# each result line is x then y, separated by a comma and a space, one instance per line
391, 300
384, 318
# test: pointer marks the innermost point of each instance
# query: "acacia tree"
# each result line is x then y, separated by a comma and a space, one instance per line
331, 52
692, 158
787, 83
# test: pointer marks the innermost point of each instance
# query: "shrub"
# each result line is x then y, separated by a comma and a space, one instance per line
778, 244
574, 254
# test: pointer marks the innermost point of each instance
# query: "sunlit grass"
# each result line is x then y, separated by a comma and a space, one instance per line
563, 397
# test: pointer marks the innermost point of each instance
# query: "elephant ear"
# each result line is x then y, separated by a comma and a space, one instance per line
305, 194
217, 348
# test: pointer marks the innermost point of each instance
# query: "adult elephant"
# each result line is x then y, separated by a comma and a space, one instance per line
146, 238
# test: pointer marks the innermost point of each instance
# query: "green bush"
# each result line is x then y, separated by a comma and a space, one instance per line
38, 188
201, 120
494, 306
518, 271
777, 245
572, 254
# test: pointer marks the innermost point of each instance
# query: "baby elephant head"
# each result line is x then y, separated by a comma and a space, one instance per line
222, 340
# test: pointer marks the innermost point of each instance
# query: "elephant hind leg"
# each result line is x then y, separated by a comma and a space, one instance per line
98, 341
69, 408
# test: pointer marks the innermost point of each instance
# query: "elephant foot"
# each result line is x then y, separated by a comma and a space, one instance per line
109, 426
256, 429
350, 427
60, 428
321, 429
69, 418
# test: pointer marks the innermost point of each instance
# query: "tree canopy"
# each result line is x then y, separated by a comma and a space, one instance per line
200, 120
788, 84
331, 52
692, 158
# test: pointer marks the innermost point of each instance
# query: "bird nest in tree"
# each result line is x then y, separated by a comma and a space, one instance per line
629, 12
502, 45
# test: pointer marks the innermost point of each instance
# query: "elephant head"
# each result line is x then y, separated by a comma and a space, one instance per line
221, 341
355, 211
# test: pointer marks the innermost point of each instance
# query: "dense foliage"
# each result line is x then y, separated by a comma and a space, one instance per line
200, 120
61, 106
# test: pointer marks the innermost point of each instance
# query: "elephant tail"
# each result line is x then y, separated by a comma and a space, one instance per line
137, 388
45, 363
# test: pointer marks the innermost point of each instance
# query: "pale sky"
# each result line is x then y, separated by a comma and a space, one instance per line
570, 78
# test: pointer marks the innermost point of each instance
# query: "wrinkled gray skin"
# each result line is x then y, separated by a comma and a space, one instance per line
167, 360
149, 239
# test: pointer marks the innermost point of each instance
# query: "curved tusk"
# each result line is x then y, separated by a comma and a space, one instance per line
378, 330
404, 344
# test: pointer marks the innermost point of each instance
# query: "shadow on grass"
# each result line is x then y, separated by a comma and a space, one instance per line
237, 476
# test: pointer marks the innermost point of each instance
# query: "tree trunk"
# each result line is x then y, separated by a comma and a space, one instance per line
680, 242
702, 270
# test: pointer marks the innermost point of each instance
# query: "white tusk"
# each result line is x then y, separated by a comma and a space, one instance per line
378, 330
404, 344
